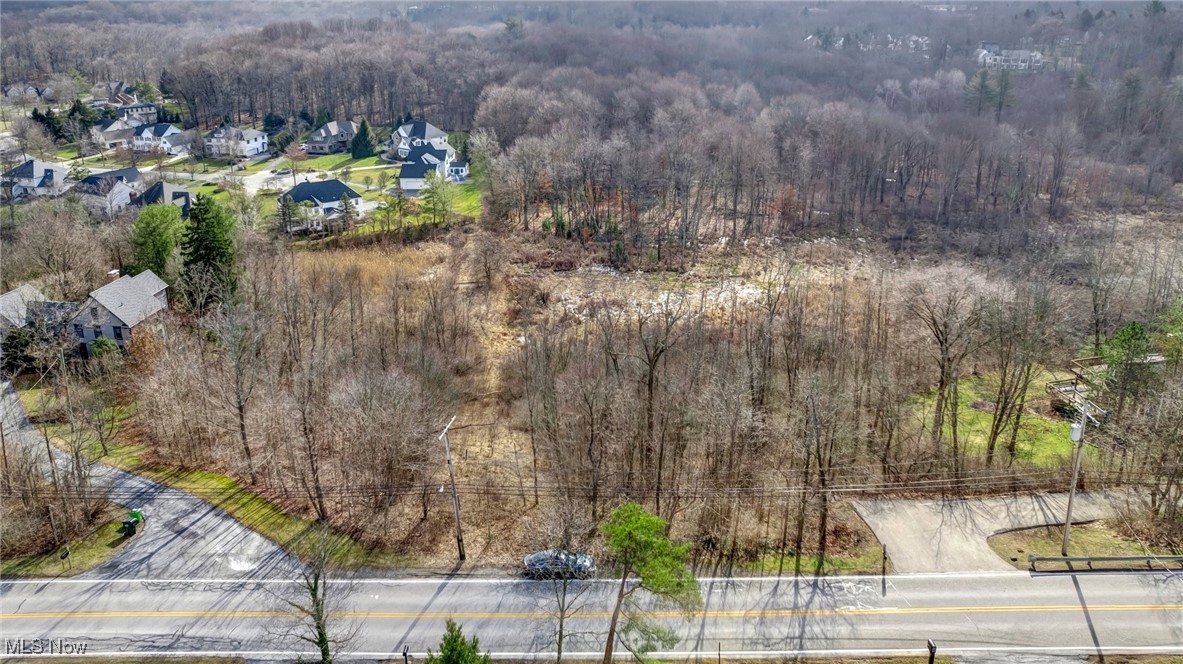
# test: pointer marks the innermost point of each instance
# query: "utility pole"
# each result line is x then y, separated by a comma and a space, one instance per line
455, 496
1077, 436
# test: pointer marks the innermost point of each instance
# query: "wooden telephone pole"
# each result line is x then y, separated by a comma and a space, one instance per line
455, 496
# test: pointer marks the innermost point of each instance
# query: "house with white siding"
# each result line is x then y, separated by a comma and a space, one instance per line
36, 178
109, 193
227, 141
418, 133
117, 309
112, 133
321, 201
160, 136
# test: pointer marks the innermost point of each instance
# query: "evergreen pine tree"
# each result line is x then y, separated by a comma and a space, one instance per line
455, 649
363, 142
209, 251
348, 212
289, 213
979, 93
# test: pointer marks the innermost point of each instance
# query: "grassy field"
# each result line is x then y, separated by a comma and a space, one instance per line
86, 552
1092, 539
1041, 441
253, 511
468, 199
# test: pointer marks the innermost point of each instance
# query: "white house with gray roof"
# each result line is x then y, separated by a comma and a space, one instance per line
118, 308
227, 141
36, 178
160, 136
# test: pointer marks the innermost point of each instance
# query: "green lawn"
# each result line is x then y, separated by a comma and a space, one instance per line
1091, 539
257, 166
66, 152
334, 162
86, 552
1041, 441
468, 199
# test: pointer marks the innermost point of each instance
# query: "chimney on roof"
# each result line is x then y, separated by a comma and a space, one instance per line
113, 276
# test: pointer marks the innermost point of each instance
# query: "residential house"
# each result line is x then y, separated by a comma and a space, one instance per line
117, 309
426, 158
14, 308
458, 171
141, 112
160, 136
322, 200
163, 193
227, 141
112, 133
115, 93
412, 177
991, 56
333, 137
36, 178
415, 134
108, 193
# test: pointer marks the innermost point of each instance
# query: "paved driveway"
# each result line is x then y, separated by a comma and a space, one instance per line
182, 536
950, 535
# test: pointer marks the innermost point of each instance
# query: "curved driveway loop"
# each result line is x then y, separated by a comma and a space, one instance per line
182, 536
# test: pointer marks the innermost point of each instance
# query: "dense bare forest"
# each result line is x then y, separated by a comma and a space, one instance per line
736, 262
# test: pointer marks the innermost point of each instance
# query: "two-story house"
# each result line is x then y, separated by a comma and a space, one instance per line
423, 159
140, 112
160, 136
36, 178
118, 308
321, 199
227, 141
415, 134
163, 193
333, 137
108, 193
112, 133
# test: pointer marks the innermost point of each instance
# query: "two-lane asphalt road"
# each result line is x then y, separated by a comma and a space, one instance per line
966, 614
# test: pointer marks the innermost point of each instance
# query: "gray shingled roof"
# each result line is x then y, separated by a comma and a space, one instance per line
131, 299
416, 169
159, 129
14, 304
332, 129
421, 130
166, 194
320, 192
128, 175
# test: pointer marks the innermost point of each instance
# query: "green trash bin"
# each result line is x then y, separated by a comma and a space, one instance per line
138, 515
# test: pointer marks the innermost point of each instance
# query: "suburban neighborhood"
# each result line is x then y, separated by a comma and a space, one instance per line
571, 332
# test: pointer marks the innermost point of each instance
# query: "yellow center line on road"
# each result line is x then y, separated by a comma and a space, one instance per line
506, 615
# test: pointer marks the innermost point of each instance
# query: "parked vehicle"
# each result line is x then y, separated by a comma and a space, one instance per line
558, 564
